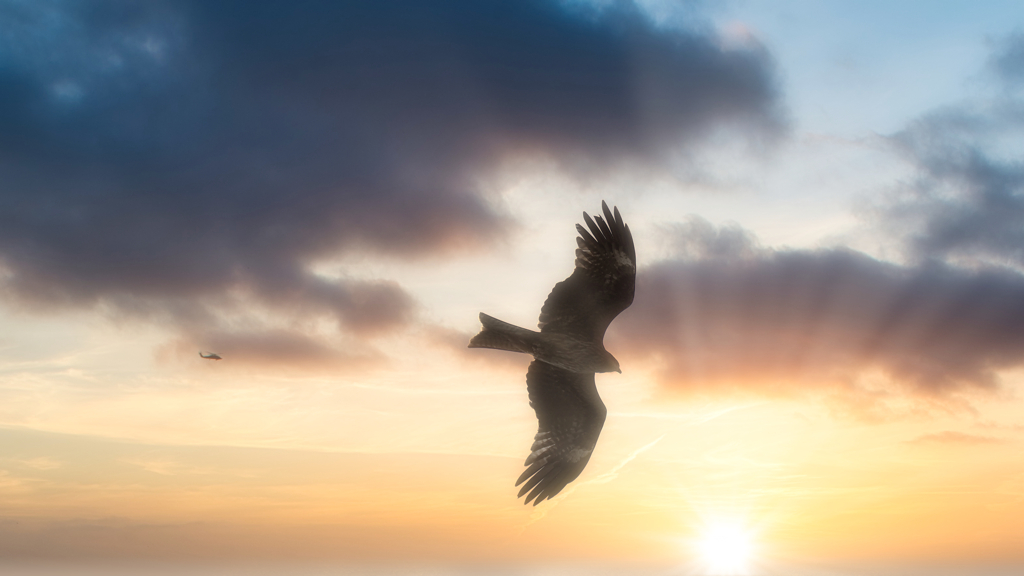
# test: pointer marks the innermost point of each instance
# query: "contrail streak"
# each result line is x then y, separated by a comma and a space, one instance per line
540, 512
602, 479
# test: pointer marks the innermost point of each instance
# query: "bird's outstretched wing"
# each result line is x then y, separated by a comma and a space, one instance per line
600, 287
571, 416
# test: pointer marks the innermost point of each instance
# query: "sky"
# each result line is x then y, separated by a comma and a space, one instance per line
825, 356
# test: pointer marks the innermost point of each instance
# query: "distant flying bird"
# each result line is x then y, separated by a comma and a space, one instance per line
210, 356
567, 352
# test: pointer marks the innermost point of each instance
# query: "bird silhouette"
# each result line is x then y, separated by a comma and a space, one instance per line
568, 350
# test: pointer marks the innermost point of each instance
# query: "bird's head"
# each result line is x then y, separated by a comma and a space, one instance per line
609, 363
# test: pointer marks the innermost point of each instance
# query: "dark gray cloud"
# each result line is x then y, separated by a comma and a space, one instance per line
695, 237
966, 203
1008, 62
161, 151
836, 320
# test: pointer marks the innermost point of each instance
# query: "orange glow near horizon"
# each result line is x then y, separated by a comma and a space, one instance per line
335, 476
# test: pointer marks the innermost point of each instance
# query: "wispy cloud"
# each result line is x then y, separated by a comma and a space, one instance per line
954, 438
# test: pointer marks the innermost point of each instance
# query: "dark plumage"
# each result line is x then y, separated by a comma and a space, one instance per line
567, 352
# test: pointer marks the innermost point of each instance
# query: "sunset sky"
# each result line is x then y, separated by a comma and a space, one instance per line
825, 355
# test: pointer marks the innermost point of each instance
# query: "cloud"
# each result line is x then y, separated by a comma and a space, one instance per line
1008, 62
190, 162
950, 437
696, 238
966, 203
174, 149
830, 321
362, 307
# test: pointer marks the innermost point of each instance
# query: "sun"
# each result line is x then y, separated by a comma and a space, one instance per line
725, 548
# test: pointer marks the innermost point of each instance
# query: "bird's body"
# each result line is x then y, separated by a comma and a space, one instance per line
210, 356
568, 351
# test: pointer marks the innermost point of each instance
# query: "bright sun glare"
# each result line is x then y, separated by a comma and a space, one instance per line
725, 549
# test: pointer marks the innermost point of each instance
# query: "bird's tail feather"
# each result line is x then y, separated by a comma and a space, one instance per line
503, 336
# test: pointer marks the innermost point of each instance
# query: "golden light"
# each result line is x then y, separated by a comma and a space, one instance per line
725, 548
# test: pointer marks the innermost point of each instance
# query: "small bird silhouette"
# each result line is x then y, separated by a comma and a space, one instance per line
210, 356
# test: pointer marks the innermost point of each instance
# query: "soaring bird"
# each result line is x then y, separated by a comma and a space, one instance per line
567, 352
210, 356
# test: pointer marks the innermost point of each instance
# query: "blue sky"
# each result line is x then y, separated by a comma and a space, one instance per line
850, 69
